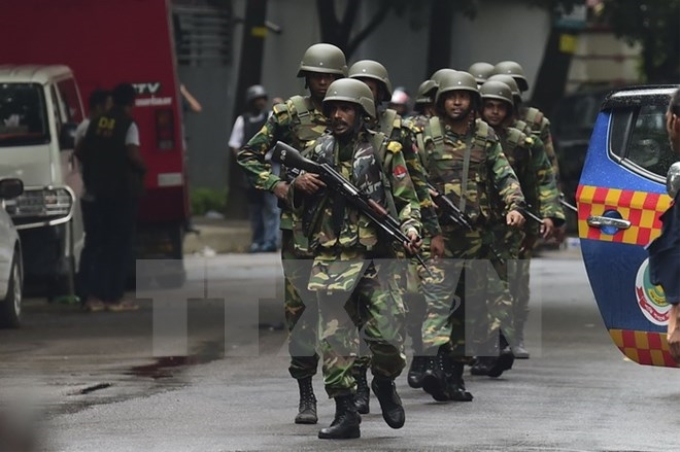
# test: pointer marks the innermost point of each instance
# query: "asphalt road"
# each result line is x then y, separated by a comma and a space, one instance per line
106, 382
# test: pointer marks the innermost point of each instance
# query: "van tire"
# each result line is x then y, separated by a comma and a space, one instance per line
10, 307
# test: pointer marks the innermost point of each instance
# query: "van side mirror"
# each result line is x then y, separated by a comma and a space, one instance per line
11, 188
67, 136
673, 180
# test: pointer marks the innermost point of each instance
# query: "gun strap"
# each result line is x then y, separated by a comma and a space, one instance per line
302, 112
387, 122
464, 177
384, 159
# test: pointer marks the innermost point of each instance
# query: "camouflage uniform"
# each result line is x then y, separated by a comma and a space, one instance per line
526, 153
287, 125
445, 169
399, 130
347, 274
461, 167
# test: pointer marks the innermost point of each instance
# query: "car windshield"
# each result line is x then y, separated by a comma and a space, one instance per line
23, 121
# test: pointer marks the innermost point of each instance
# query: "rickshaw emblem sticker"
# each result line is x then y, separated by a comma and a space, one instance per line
650, 298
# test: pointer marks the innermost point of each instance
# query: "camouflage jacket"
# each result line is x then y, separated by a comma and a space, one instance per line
400, 130
444, 160
338, 228
546, 180
288, 124
540, 127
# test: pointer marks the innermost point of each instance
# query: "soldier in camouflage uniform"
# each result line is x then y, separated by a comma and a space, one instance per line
481, 71
528, 159
296, 122
391, 125
424, 105
462, 156
353, 271
532, 116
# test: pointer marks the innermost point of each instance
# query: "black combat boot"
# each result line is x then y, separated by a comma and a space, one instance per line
346, 422
455, 386
307, 411
482, 365
502, 363
390, 403
417, 371
363, 394
434, 377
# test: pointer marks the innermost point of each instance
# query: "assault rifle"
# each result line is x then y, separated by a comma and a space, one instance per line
291, 158
456, 215
449, 208
566, 204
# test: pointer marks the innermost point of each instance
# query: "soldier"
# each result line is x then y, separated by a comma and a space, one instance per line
390, 123
424, 106
297, 122
462, 155
533, 116
531, 165
436, 77
481, 71
347, 276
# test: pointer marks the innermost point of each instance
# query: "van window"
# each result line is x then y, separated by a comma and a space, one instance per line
639, 136
23, 118
69, 96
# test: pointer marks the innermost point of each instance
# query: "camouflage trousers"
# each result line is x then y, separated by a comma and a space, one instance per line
301, 311
468, 305
414, 303
371, 312
514, 270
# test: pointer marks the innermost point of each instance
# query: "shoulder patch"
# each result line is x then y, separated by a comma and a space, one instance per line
394, 146
399, 171
529, 141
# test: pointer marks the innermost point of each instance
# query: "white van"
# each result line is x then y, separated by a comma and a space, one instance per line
40, 108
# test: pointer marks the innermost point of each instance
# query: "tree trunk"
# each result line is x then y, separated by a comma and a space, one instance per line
250, 73
439, 41
552, 75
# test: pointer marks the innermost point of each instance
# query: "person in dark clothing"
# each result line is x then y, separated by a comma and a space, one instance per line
664, 252
99, 103
113, 172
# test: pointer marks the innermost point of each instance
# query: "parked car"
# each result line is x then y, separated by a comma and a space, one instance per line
11, 263
621, 194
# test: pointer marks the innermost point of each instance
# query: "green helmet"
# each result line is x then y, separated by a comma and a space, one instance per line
325, 58
376, 71
350, 90
481, 71
426, 92
456, 81
436, 77
515, 70
510, 81
493, 89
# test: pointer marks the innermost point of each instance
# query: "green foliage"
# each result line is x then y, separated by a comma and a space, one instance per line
204, 200
654, 24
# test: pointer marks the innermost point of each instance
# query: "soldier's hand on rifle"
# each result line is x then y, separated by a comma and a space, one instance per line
281, 190
548, 228
308, 183
515, 219
415, 241
437, 246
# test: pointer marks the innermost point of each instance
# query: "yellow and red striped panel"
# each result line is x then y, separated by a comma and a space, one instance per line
642, 209
643, 347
